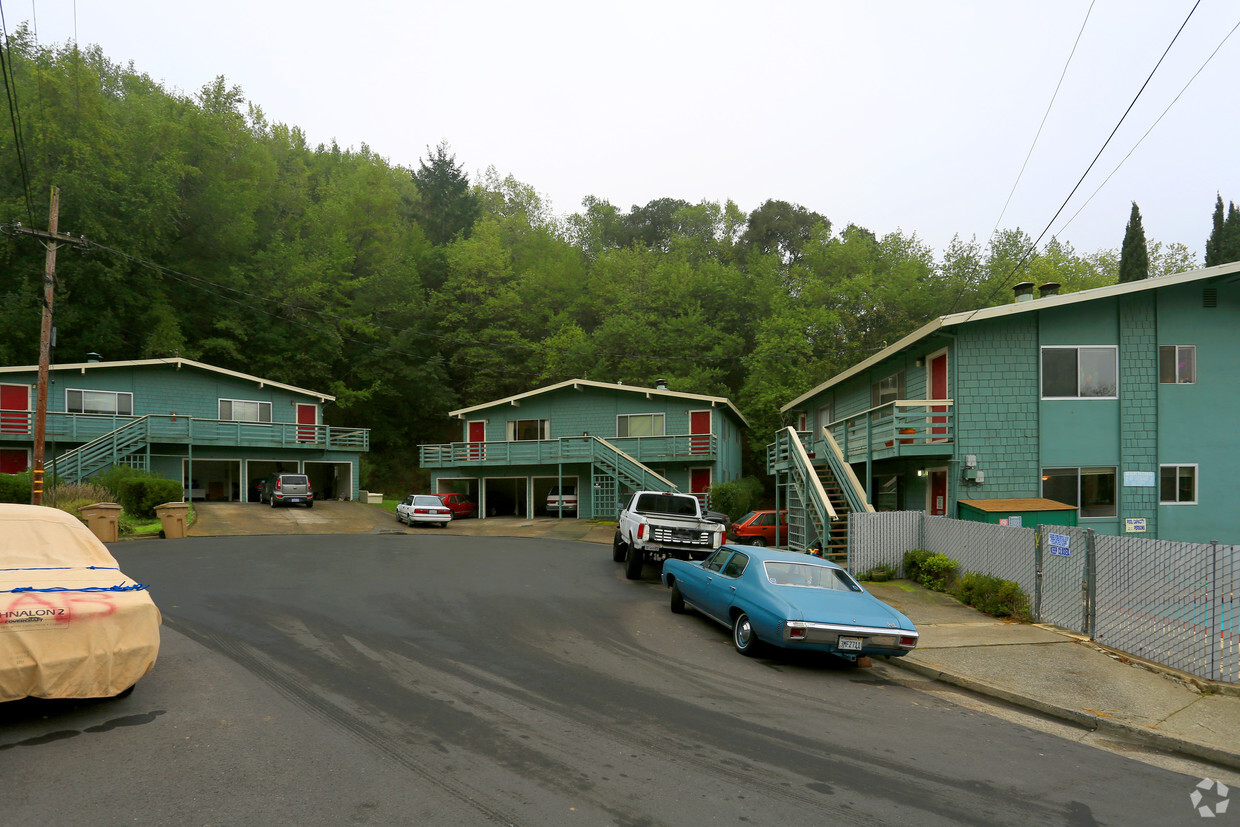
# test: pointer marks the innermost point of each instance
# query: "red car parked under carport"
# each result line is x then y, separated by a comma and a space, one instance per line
460, 505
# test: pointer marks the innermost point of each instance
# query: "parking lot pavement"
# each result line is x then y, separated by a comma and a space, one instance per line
1035, 666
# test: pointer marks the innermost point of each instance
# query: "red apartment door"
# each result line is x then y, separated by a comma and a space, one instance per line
306, 415
477, 433
938, 390
699, 428
14, 460
14, 405
699, 480
938, 493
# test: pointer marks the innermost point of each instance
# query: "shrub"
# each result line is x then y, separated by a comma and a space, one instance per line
111, 480
736, 498
932, 570
140, 493
87, 493
15, 488
878, 574
992, 595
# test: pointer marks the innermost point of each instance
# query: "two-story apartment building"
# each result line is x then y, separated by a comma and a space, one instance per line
218, 431
1119, 400
597, 439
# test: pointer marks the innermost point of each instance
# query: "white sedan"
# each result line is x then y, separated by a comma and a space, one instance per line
423, 508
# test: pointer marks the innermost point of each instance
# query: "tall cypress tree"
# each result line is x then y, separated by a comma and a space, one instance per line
1134, 258
1229, 245
1215, 241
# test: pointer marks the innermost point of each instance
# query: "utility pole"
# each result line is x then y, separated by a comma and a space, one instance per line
45, 336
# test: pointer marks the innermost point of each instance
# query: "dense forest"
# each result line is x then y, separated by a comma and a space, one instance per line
219, 236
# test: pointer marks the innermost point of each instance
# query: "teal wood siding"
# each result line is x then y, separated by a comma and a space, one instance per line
1138, 370
996, 374
1197, 423
165, 390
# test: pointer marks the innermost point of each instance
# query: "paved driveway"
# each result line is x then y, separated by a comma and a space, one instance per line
331, 517
327, 517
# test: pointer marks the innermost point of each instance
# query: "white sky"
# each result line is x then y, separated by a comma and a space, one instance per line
910, 115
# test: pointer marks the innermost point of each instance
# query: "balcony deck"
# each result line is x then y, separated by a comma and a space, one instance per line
18, 426
903, 428
645, 449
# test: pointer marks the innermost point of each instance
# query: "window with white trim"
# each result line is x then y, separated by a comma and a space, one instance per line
1177, 484
117, 403
1086, 372
1091, 489
640, 425
245, 410
522, 430
1177, 364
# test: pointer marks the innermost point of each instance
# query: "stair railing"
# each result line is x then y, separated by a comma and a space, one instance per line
854, 491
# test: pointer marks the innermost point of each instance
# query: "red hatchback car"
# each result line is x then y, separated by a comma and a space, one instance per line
757, 528
460, 505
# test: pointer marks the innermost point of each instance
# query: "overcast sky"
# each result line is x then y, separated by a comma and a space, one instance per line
909, 115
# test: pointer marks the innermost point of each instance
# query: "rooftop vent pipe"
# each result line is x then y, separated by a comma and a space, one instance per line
1051, 288
1024, 291
93, 357
660, 384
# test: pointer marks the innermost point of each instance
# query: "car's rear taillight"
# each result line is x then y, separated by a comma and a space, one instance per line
908, 641
641, 531
796, 632
279, 482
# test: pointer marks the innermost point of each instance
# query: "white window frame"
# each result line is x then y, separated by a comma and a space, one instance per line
544, 429
1080, 469
1176, 359
1196, 481
660, 417
232, 403
1078, 349
116, 396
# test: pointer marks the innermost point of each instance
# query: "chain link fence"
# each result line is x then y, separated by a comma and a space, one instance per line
1169, 602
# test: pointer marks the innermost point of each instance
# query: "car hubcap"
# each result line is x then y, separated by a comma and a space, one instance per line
743, 633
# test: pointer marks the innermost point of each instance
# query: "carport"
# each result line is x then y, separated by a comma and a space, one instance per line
329, 480
504, 497
214, 480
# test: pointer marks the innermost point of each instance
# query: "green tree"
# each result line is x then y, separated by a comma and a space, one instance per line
448, 205
1134, 257
1214, 242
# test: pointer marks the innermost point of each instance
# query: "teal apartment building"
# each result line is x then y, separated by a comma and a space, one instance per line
597, 439
1120, 401
218, 431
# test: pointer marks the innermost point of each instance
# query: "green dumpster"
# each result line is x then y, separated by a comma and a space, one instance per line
1028, 512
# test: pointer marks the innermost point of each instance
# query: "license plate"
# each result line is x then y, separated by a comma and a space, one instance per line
850, 644
294, 499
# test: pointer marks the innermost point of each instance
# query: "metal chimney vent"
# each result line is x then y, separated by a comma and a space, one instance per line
1024, 291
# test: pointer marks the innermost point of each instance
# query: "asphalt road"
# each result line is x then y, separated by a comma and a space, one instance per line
439, 679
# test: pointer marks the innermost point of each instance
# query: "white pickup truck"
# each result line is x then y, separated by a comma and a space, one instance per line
656, 525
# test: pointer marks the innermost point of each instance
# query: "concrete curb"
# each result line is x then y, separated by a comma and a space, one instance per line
1092, 721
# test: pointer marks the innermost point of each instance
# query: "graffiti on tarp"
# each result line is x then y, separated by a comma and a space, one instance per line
32, 610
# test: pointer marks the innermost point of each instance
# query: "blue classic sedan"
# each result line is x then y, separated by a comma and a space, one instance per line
790, 600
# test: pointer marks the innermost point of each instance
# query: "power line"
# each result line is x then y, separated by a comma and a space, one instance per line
1151, 129
10, 88
1033, 247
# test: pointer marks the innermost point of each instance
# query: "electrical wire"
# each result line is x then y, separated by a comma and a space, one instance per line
1158, 120
10, 88
1033, 247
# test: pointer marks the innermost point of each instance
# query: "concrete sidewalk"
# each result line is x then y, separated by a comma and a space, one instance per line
1057, 673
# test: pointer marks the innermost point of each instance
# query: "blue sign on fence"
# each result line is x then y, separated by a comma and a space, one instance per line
1059, 544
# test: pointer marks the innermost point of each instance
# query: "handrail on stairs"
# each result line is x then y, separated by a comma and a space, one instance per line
816, 495
646, 471
854, 492
103, 445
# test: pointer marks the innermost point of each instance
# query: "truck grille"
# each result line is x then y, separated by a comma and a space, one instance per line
680, 536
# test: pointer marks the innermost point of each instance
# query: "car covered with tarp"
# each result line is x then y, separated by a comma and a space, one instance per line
71, 624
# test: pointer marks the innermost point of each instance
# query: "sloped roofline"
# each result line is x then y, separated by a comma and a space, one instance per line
998, 311
85, 366
713, 401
